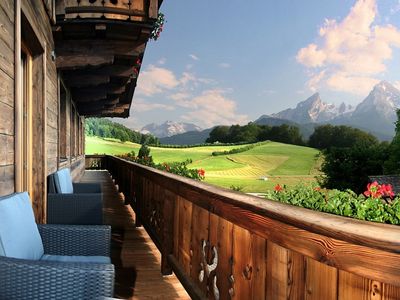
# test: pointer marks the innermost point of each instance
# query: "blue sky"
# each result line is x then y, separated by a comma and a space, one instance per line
228, 62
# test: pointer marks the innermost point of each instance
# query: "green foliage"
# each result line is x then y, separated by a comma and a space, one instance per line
327, 136
252, 133
349, 168
144, 151
108, 129
343, 203
392, 165
235, 150
237, 188
178, 168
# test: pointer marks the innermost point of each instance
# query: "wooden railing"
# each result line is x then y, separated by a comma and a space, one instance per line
223, 244
132, 10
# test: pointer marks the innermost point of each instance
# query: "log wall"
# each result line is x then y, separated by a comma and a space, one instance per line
228, 245
45, 99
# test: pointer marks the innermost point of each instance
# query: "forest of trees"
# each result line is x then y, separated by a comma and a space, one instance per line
351, 155
252, 133
108, 129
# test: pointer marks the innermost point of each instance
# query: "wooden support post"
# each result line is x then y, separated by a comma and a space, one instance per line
18, 98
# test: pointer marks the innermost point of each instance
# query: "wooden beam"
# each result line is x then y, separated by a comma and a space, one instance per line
83, 60
100, 89
110, 70
99, 47
78, 81
104, 10
153, 9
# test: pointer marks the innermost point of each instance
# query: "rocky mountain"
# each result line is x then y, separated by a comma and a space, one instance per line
312, 110
169, 128
375, 114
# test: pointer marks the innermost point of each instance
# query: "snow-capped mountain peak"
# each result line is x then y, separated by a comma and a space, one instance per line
169, 128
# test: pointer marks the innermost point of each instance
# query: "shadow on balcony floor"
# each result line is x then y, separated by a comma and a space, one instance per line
136, 258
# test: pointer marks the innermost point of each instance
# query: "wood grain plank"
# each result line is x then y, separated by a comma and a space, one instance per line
277, 272
200, 233
352, 286
242, 267
321, 281
221, 236
296, 276
185, 233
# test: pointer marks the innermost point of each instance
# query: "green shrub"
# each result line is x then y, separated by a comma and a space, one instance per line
343, 203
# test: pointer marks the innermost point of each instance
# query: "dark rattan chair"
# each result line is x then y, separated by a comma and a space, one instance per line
51, 261
73, 203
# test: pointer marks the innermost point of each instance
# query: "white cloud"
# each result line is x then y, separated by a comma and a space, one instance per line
397, 84
180, 96
155, 80
162, 61
212, 107
139, 105
224, 65
193, 56
350, 54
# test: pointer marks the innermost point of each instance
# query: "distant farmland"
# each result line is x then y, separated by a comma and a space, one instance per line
255, 170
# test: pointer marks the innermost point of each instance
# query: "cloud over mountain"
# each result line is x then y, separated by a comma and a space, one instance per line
348, 55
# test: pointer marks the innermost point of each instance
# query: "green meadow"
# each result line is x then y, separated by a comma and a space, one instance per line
256, 170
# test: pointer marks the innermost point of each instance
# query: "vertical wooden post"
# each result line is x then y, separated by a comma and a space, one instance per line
167, 239
18, 98
44, 146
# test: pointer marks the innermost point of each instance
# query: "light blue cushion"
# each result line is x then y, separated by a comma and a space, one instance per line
77, 259
19, 235
63, 182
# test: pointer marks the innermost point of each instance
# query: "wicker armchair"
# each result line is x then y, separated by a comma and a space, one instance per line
73, 203
51, 261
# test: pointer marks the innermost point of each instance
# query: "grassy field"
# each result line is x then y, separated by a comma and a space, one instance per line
255, 170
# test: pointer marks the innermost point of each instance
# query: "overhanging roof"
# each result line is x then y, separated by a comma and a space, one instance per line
99, 47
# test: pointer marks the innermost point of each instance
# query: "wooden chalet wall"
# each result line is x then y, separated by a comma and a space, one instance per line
45, 129
6, 97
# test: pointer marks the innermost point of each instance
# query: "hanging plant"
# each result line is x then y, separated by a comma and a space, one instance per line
158, 27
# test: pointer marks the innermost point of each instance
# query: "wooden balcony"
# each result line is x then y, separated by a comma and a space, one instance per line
222, 244
99, 46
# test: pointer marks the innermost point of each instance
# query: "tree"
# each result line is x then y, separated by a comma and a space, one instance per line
144, 151
327, 136
392, 166
349, 168
219, 134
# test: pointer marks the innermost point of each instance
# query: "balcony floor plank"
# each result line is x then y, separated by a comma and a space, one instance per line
136, 258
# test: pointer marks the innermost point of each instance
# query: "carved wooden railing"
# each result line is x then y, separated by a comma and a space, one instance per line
132, 10
223, 244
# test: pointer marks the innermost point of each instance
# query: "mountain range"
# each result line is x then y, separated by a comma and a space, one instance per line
169, 128
375, 114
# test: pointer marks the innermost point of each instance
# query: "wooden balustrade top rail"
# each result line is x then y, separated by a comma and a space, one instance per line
376, 235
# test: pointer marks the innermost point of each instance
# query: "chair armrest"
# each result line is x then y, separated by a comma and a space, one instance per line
76, 239
81, 188
78, 209
26, 279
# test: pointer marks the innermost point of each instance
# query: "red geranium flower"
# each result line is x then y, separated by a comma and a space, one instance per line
278, 188
386, 190
201, 172
373, 190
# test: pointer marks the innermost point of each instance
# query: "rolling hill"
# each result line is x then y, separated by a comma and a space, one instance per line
256, 170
